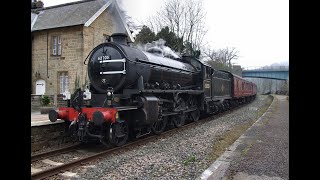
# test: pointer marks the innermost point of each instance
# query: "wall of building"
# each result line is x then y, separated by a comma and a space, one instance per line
70, 61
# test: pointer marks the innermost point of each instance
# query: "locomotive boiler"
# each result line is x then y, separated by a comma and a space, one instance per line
118, 66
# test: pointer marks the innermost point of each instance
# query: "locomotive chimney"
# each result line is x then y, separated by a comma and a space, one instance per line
120, 38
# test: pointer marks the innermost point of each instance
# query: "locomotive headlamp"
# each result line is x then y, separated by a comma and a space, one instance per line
110, 96
87, 95
66, 95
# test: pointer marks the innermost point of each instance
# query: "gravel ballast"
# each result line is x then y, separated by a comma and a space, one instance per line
183, 155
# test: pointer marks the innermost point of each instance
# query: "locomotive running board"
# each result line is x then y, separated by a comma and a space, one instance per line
126, 108
173, 91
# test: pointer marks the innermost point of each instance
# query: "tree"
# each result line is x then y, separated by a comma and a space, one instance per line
132, 25
185, 18
145, 36
191, 51
170, 37
221, 58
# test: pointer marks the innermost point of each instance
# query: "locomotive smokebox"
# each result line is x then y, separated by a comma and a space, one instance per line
114, 65
119, 38
107, 67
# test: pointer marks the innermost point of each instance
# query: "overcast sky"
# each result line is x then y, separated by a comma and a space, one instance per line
258, 29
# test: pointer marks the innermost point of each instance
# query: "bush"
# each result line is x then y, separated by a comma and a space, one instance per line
45, 100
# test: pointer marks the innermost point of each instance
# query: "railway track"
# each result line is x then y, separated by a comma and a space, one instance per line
40, 156
78, 162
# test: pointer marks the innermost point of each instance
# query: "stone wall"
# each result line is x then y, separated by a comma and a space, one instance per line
36, 102
70, 60
51, 138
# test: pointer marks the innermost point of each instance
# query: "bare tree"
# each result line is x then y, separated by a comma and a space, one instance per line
221, 57
186, 18
131, 23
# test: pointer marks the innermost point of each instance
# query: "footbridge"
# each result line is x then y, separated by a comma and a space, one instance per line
267, 72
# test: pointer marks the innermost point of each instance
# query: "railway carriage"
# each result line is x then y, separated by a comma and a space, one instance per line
243, 90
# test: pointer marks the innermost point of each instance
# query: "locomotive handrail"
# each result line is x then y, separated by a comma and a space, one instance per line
114, 72
161, 65
115, 60
84, 62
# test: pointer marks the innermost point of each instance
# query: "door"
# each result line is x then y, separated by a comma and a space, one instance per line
40, 87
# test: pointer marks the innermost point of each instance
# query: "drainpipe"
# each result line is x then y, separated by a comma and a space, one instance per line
47, 53
92, 36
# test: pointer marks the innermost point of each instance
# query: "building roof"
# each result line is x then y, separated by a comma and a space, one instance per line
34, 17
71, 14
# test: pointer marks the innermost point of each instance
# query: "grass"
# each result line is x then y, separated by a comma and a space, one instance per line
189, 160
225, 140
244, 152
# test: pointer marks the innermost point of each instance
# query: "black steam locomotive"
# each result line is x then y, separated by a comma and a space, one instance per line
133, 93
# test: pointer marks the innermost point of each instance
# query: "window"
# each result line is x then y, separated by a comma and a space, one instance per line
56, 46
63, 81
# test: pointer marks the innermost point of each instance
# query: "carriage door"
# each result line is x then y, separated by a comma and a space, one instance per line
40, 87
207, 82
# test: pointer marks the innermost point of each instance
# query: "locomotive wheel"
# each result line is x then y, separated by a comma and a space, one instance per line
159, 126
195, 115
118, 133
179, 120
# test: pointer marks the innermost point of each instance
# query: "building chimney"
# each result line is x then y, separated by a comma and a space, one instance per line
36, 4
33, 4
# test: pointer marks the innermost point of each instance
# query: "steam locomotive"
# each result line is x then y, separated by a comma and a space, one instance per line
133, 93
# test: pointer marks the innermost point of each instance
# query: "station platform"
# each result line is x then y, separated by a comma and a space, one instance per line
38, 119
262, 152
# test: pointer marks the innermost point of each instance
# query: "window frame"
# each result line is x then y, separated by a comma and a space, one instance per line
56, 44
63, 77
59, 45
